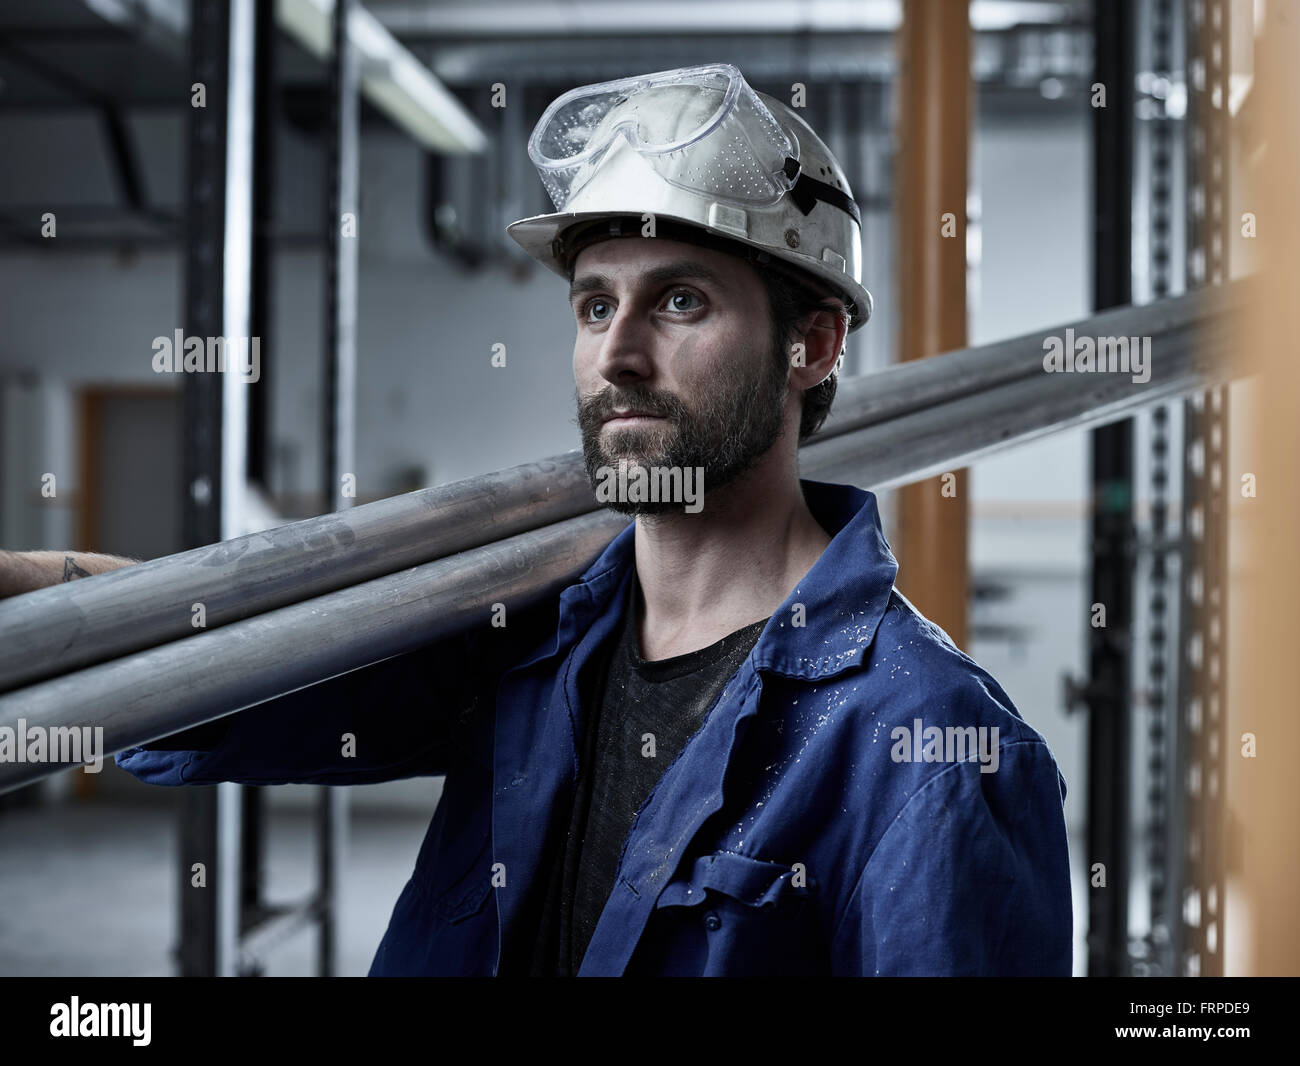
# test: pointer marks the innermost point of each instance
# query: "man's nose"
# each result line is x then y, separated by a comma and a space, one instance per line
626, 348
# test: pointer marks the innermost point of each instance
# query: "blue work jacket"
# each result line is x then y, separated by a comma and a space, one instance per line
825, 818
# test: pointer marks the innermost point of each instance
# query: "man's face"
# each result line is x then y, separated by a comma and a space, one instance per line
673, 362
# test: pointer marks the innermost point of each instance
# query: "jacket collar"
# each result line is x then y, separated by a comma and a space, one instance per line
843, 596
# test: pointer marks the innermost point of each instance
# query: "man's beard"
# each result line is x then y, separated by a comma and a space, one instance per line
734, 426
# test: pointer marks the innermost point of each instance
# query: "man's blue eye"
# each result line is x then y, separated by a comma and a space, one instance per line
679, 295
595, 303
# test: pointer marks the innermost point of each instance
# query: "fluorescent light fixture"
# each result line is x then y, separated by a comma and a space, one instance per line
584, 18
391, 77
990, 15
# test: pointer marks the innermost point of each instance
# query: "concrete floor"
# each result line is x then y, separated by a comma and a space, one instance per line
88, 888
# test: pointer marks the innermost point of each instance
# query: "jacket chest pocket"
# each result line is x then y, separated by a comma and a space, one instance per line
728, 914
465, 895
738, 878
454, 867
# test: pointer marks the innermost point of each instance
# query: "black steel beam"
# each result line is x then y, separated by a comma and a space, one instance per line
201, 445
1108, 692
122, 153
217, 278
338, 428
252, 806
261, 272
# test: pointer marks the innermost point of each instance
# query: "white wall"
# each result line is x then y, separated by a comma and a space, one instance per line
1029, 524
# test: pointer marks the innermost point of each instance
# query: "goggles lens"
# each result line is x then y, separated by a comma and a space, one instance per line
700, 128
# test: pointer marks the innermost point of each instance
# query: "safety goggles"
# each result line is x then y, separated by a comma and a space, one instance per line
701, 128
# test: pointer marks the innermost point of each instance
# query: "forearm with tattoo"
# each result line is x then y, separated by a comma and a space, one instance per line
27, 571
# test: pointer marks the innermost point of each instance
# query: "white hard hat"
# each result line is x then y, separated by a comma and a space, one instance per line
697, 147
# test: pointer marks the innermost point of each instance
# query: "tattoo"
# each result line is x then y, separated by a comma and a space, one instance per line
71, 571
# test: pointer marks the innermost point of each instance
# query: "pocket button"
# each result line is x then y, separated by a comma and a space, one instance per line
712, 922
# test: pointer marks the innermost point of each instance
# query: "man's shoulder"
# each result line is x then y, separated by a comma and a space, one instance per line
916, 734
935, 674
933, 700
911, 677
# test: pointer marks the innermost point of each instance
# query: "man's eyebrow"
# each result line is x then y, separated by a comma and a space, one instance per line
684, 268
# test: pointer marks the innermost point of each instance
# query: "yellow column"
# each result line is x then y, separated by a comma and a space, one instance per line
934, 133
1263, 828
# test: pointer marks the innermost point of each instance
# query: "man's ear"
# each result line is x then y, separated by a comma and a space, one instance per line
821, 334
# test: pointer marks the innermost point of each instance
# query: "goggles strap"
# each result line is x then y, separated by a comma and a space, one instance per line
808, 190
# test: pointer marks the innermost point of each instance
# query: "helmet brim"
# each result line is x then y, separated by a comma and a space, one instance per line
541, 236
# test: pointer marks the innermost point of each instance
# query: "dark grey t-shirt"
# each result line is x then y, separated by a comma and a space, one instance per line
642, 715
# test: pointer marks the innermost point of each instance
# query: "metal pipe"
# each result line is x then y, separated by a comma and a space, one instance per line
162, 690
905, 387
65, 627
149, 694
937, 439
